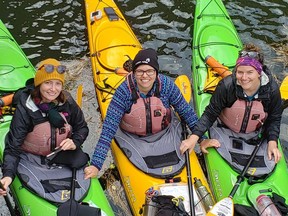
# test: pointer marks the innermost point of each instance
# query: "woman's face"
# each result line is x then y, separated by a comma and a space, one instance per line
145, 77
50, 90
248, 78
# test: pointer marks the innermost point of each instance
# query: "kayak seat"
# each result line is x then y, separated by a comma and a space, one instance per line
236, 149
52, 183
158, 154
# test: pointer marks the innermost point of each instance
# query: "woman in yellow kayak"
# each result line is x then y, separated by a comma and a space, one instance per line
141, 105
246, 103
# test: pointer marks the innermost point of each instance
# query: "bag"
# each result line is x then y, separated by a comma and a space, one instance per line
166, 207
242, 210
73, 208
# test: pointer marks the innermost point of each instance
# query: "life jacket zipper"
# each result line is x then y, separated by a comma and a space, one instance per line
148, 116
246, 116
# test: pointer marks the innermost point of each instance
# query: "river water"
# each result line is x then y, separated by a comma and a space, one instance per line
57, 29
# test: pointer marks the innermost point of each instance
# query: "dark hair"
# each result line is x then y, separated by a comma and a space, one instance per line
35, 93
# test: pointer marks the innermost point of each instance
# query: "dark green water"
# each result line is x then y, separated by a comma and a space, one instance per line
57, 29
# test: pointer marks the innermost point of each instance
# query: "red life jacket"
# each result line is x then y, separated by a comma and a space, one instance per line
244, 116
40, 141
147, 115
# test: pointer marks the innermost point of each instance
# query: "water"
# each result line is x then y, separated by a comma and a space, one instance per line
57, 29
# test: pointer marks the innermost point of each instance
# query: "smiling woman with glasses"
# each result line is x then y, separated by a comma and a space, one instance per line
141, 111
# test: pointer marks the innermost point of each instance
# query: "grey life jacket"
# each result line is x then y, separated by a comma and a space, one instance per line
244, 116
158, 154
53, 183
147, 115
236, 149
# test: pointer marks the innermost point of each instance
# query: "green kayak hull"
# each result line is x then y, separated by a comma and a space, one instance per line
15, 70
215, 35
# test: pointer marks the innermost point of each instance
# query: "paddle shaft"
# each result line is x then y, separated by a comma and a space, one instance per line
188, 168
240, 177
8, 202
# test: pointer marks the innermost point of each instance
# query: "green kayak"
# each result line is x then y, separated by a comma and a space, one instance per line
215, 35
15, 70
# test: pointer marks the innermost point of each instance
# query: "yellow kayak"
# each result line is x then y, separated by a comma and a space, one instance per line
111, 43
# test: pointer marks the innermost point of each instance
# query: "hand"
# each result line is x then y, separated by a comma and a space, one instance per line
91, 172
207, 143
6, 181
67, 144
188, 144
273, 150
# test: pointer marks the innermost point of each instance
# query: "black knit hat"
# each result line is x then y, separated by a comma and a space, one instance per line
146, 56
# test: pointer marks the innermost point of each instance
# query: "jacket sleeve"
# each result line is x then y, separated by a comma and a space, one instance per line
120, 103
178, 102
77, 121
19, 128
273, 121
218, 102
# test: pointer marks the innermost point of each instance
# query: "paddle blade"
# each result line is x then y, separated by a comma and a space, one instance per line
284, 88
183, 84
79, 94
223, 207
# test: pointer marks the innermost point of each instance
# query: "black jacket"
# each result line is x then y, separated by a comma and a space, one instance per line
226, 94
24, 121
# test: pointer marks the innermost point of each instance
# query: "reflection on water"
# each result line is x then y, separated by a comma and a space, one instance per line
57, 29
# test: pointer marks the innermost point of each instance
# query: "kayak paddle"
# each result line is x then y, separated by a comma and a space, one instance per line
8, 202
183, 84
226, 205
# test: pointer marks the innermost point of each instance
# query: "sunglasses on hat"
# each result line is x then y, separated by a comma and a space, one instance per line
251, 54
49, 68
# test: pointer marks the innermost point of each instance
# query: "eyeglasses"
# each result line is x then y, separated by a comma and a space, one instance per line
49, 68
251, 54
149, 72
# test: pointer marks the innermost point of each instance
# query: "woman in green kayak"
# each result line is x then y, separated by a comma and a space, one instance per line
248, 103
46, 118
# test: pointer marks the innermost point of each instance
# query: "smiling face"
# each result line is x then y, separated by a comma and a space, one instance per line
248, 78
50, 90
145, 80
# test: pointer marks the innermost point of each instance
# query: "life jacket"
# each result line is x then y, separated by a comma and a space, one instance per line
147, 115
244, 116
40, 141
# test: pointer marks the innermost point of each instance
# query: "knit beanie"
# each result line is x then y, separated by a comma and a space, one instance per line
146, 56
42, 76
